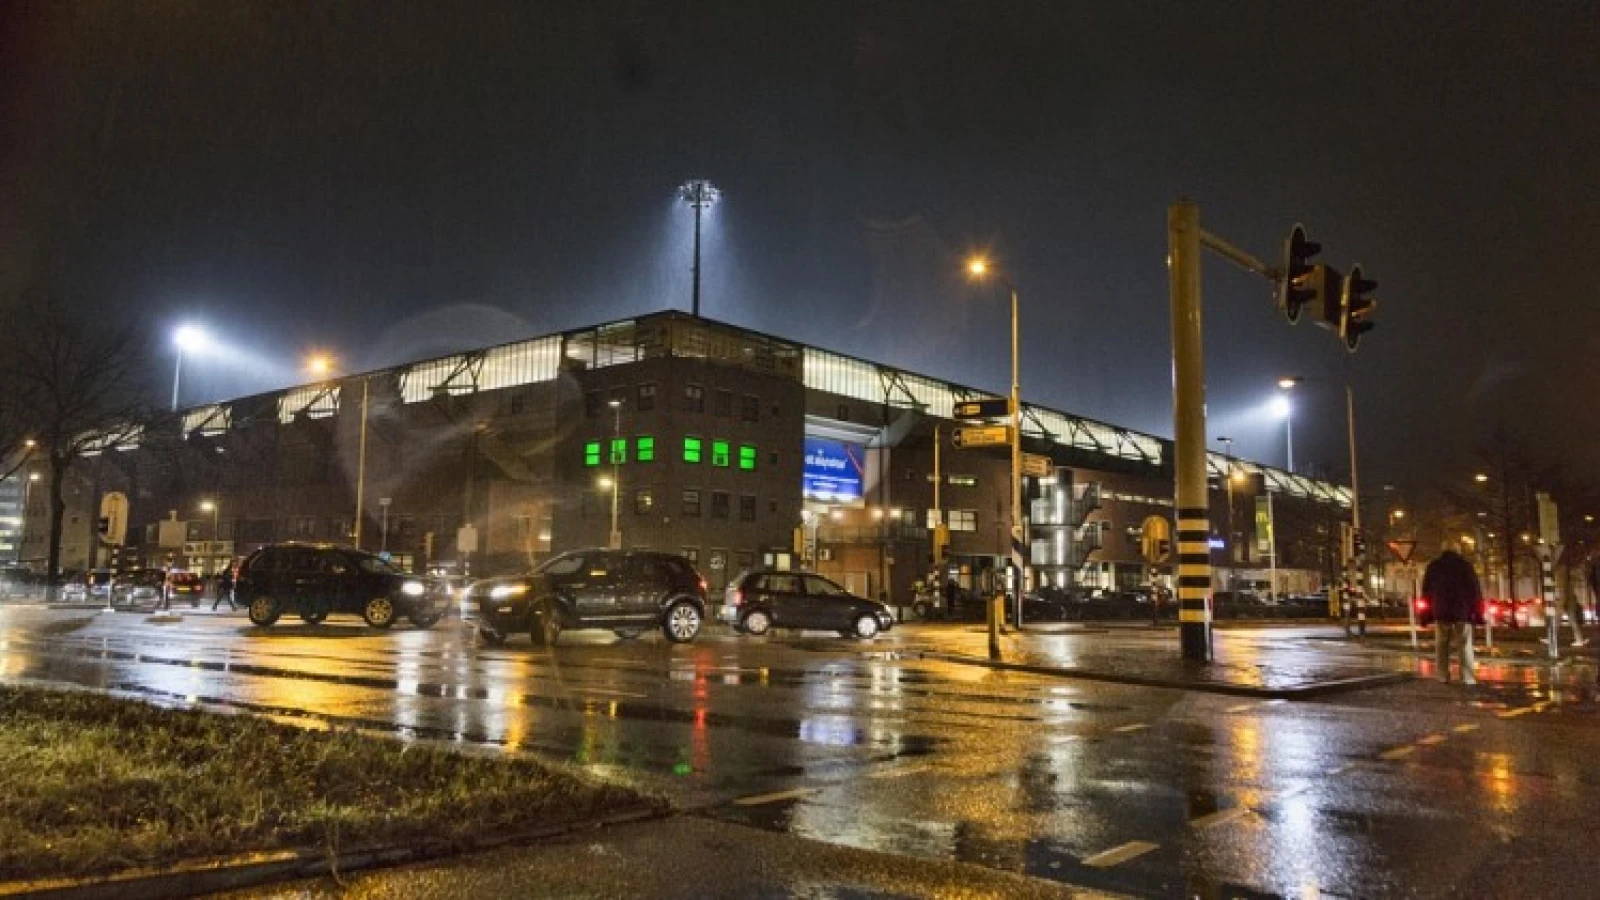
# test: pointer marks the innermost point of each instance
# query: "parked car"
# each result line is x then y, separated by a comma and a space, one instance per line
759, 600
183, 584
317, 579
625, 591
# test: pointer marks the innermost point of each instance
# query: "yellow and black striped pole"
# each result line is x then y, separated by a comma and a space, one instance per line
1189, 433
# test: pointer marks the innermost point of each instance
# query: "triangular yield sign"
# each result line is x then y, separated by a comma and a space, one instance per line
1402, 550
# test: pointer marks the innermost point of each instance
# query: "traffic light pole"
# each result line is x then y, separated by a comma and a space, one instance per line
1189, 432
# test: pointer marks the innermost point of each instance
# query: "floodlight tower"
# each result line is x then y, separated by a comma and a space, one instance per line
699, 194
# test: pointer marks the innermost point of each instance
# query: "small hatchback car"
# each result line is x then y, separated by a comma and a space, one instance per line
760, 600
317, 579
625, 591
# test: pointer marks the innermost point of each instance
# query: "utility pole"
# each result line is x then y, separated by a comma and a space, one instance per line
361, 465
617, 452
1018, 533
1189, 431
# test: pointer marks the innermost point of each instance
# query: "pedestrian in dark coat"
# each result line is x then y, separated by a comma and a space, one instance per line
1451, 588
224, 589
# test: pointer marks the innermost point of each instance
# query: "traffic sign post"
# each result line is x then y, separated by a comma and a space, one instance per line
981, 436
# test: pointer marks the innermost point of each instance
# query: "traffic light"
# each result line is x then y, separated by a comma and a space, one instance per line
1295, 287
1355, 306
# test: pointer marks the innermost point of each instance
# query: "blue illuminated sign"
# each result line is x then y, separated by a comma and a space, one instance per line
832, 471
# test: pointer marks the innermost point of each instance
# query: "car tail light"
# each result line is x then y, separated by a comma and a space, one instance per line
1422, 604
738, 598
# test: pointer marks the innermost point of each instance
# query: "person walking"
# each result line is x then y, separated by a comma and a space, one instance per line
1452, 591
224, 589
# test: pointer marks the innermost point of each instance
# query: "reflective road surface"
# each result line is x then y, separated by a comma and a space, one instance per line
1417, 790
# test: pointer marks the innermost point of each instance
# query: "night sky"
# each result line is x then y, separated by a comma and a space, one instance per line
394, 179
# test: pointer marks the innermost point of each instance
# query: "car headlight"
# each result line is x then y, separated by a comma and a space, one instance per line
413, 589
502, 591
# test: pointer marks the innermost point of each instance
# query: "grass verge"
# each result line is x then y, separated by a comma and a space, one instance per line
91, 784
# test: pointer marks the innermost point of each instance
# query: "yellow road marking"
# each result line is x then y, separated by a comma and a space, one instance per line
1397, 752
1119, 854
1432, 739
1463, 729
1241, 707
1513, 713
1220, 816
900, 771
776, 797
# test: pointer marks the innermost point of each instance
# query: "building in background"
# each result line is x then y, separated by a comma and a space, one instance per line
731, 447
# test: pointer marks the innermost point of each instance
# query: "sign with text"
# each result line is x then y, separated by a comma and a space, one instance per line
982, 436
1263, 525
831, 471
1036, 466
982, 409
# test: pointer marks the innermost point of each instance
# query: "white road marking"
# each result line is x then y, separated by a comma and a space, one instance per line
776, 797
1463, 729
900, 771
1137, 726
606, 692
1119, 854
1221, 816
1397, 752
1241, 707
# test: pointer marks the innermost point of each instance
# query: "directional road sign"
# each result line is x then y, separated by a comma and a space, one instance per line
982, 409
982, 436
1036, 466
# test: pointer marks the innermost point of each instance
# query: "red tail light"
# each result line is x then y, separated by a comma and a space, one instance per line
702, 585
1422, 604
738, 598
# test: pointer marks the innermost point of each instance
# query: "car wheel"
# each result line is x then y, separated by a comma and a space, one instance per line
492, 638
426, 616
264, 611
756, 622
866, 626
313, 616
628, 634
379, 612
681, 624
546, 628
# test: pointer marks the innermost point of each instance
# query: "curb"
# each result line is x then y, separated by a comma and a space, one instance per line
1308, 692
206, 876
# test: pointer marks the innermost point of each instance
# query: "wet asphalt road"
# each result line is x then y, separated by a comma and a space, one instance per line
1416, 790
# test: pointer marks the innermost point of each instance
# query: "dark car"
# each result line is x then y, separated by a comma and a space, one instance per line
625, 591
760, 600
317, 579
185, 585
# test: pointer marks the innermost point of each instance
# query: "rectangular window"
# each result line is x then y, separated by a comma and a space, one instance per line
747, 507
647, 396
694, 398
747, 457
719, 453
692, 554
719, 504
933, 518
591, 404
645, 449
643, 501
844, 412
724, 403
619, 451
749, 408
963, 520
691, 449
691, 504
591, 453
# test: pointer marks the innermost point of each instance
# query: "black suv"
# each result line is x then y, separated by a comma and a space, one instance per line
625, 591
761, 600
317, 579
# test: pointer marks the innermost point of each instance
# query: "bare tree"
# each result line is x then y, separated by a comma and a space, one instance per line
77, 385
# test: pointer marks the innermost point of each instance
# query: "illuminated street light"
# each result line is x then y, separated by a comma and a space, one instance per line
319, 365
699, 194
1283, 409
980, 270
188, 339
1480, 478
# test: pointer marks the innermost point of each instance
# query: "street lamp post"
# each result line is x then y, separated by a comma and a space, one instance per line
1285, 408
211, 506
979, 268
616, 471
699, 194
188, 339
